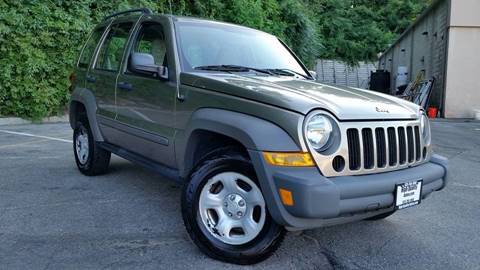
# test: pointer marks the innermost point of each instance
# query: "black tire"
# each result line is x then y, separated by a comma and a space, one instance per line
258, 249
98, 158
381, 216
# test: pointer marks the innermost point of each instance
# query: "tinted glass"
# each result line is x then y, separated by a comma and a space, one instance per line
111, 52
152, 41
203, 44
90, 46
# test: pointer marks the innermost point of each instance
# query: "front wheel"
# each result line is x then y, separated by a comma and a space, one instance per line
225, 214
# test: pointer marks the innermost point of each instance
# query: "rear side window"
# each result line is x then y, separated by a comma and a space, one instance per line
111, 53
89, 48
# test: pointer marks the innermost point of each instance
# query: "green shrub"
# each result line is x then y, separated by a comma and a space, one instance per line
38, 45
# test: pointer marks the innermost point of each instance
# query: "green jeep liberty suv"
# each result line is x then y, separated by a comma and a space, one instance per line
259, 146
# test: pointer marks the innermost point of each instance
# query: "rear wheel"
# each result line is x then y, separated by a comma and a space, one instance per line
225, 214
90, 158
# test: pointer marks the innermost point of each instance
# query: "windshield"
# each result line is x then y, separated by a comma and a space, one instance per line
215, 44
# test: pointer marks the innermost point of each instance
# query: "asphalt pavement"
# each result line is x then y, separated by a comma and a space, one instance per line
53, 217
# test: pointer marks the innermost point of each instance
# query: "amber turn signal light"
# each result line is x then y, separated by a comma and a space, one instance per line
292, 159
286, 196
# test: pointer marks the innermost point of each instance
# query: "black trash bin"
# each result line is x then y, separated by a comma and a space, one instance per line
380, 81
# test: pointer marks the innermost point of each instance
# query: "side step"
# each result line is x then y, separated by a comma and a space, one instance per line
170, 173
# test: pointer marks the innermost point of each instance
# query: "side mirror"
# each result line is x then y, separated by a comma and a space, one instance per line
145, 63
314, 74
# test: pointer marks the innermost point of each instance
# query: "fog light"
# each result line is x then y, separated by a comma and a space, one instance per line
286, 196
289, 159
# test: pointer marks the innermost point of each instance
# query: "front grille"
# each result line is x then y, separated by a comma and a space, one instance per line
383, 147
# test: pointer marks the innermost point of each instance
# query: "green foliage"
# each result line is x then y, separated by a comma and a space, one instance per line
357, 30
40, 40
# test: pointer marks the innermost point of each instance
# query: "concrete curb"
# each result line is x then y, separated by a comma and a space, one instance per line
7, 121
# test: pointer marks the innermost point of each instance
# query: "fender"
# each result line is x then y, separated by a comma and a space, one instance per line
252, 132
85, 97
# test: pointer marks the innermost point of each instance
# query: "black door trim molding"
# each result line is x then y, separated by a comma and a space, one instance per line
138, 132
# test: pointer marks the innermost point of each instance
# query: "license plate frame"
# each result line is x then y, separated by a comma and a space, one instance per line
403, 198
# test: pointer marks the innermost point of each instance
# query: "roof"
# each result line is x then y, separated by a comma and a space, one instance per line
207, 21
125, 15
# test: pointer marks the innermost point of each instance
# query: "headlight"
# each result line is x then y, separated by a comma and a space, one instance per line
318, 130
425, 128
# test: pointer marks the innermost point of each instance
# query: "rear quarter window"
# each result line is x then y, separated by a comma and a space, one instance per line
110, 54
89, 47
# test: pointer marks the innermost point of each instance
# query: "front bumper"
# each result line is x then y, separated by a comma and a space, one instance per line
321, 201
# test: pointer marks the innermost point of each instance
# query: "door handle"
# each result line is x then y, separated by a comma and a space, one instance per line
125, 86
91, 79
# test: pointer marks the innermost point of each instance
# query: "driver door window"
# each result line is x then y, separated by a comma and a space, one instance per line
151, 40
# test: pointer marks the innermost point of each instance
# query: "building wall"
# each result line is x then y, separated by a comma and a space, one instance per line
465, 13
439, 53
422, 48
463, 66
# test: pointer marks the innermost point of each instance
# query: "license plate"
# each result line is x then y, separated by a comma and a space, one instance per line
408, 194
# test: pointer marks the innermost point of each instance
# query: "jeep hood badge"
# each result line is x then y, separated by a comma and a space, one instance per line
380, 109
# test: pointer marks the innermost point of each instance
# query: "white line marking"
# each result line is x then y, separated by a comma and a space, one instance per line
36, 136
463, 185
21, 144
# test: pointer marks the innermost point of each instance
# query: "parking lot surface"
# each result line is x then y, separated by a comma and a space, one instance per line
52, 217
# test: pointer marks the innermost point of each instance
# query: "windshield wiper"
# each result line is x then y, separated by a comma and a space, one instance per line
287, 72
234, 68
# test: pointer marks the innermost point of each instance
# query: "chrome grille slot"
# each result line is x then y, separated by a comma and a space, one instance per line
381, 147
411, 145
417, 143
392, 146
368, 148
353, 149
402, 145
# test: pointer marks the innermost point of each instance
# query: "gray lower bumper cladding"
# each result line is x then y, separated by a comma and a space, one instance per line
321, 201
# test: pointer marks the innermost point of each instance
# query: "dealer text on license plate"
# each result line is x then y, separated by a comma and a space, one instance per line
408, 194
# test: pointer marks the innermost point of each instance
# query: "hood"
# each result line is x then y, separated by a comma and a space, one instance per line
303, 95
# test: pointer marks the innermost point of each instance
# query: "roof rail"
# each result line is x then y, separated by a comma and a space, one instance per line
142, 10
